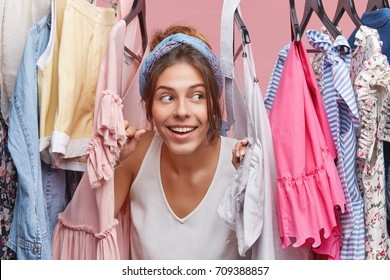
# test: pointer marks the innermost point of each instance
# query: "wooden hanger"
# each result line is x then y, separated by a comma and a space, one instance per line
138, 9
295, 29
376, 5
347, 6
318, 8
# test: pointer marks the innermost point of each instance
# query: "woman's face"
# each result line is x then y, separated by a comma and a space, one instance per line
180, 108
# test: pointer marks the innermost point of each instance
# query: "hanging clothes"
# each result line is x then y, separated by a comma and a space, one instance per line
11, 45
11, 50
99, 235
309, 192
244, 192
8, 187
341, 107
67, 81
275, 77
48, 81
249, 205
370, 72
380, 20
30, 232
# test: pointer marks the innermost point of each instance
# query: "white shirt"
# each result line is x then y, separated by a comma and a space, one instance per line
157, 233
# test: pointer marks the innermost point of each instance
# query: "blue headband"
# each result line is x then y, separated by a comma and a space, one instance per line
167, 45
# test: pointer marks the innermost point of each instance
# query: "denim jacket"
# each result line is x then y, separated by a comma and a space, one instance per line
30, 231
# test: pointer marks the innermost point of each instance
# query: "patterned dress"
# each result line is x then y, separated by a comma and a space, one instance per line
370, 72
8, 186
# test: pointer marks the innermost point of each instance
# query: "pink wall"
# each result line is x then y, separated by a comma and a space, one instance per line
267, 22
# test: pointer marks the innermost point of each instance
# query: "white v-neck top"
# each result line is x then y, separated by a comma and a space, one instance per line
157, 233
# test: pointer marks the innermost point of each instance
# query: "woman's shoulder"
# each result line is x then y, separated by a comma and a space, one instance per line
144, 143
147, 138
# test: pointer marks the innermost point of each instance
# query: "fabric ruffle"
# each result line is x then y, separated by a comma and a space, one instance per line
364, 32
106, 143
301, 198
374, 74
95, 244
242, 206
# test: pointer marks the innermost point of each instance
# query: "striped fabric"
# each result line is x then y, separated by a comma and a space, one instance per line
275, 77
341, 107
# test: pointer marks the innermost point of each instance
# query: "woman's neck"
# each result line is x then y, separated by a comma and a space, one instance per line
191, 162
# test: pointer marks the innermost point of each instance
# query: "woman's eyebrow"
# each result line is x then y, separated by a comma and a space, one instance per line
164, 87
197, 85
170, 88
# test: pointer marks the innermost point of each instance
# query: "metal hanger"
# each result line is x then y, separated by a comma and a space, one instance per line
295, 29
244, 31
138, 9
318, 8
347, 6
376, 5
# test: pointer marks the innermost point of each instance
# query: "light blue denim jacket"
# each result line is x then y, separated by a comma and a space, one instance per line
30, 234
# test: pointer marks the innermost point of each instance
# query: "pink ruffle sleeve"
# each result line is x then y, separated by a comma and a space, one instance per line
87, 228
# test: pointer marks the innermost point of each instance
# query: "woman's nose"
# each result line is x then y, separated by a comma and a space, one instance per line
182, 109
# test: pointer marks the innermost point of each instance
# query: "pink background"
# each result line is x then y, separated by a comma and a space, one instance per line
267, 21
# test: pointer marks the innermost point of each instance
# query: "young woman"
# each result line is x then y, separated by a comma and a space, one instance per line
177, 173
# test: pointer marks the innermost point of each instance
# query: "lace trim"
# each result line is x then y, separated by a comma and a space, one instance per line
106, 143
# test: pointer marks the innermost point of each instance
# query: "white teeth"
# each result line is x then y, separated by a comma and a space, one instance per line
182, 129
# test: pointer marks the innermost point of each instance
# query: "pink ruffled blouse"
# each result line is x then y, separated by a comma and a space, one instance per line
87, 228
309, 193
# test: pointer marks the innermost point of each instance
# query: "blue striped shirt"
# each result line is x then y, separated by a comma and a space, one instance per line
275, 77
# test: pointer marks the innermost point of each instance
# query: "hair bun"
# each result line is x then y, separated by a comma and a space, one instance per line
160, 35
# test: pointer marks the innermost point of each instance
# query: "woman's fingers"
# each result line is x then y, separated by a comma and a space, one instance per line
127, 124
130, 132
239, 151
133, 136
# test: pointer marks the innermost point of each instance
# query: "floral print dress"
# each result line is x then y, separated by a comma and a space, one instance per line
8, 185
370, 72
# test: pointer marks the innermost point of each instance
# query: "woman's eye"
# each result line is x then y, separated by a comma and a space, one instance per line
166, 98
197, 97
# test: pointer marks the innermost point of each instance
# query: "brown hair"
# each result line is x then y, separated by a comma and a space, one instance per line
185, 54
160, 35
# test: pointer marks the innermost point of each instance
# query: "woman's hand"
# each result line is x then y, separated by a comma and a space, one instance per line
133, 135
238, 152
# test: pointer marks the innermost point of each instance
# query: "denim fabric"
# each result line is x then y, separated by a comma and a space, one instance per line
386, 154
30, 231
59, 186
54, 187
386, 147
